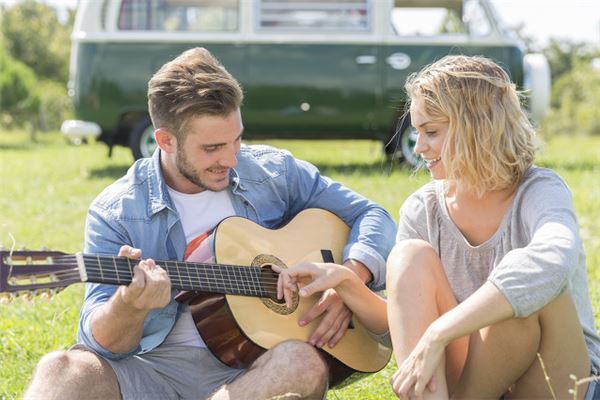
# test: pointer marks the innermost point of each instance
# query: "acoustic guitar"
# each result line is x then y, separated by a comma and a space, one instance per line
233, 301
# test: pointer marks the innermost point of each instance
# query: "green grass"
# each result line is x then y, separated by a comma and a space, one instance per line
47, 186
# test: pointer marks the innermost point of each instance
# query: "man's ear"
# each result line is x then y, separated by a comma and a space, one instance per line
165, 140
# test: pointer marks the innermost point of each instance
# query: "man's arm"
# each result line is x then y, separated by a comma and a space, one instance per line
371, 238
112, 318
372, 230
118, 324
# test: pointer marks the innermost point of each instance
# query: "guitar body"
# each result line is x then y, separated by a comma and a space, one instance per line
238, 329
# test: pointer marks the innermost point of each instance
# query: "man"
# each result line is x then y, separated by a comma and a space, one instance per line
135, 341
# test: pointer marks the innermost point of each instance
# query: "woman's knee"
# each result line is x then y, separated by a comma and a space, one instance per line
412, 257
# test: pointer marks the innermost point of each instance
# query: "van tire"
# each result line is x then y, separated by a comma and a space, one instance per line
141, 139
401, 144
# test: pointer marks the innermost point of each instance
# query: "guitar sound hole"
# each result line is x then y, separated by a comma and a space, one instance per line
269, 282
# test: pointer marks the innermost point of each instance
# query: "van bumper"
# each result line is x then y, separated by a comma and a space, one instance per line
78, 130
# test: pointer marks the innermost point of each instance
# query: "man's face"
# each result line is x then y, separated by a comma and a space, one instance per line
208, 151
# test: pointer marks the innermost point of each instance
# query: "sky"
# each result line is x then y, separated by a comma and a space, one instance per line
575, 20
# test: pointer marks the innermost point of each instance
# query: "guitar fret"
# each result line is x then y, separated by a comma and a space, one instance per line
114, 260
101, 271
178, 273
130, 268
198, 277
252, 284
255, 277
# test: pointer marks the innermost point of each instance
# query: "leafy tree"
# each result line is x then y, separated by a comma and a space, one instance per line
563, 55
575, 99
34, 36
17, 85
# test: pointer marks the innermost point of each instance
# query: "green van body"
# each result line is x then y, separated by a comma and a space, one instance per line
310, 86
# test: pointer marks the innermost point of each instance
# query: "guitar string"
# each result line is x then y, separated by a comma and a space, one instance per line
74, 275
227, 268
267, 282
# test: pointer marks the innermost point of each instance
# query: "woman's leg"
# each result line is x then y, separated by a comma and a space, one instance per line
494, 358
418, 293
506, 353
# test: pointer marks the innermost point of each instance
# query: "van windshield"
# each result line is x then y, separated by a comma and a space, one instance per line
179, 15
440, 18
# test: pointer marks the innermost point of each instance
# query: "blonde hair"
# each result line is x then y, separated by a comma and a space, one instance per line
193, 84
490, 142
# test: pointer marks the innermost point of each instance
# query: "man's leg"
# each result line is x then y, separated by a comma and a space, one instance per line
73, 374
290, 370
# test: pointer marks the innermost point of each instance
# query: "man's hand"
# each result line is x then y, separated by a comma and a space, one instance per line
336, 317
150, 286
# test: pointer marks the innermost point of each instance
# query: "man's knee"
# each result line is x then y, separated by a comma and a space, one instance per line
303, 361
54, 363
78, 371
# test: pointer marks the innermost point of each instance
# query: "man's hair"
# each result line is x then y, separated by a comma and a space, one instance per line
490, 142
193, 84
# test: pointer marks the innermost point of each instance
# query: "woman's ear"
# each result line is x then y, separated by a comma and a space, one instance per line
165, 140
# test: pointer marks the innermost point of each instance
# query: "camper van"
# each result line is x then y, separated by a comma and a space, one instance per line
326, 69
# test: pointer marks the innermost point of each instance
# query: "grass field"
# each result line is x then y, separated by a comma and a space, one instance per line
47, 186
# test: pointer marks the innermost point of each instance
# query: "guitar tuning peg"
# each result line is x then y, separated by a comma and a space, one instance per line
5, 299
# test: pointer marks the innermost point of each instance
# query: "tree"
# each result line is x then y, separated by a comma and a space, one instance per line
34, 36
18, 98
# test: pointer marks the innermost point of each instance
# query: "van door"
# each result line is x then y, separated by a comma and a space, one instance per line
312, 70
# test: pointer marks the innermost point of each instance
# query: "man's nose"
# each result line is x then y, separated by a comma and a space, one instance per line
229, 158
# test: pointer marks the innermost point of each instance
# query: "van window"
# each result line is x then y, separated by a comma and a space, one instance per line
179, 15
435, 19
314, 15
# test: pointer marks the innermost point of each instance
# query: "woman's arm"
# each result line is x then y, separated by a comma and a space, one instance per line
484, 307
367, 306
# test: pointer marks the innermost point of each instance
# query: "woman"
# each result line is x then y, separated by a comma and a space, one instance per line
488, 269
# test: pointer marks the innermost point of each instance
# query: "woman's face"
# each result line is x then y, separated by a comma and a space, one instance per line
430, 139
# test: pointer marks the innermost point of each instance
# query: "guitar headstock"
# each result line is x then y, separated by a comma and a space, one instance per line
30, 273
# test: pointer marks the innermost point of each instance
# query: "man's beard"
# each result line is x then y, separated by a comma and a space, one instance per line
191, 174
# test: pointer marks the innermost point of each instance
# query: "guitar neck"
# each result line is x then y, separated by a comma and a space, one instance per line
212, 278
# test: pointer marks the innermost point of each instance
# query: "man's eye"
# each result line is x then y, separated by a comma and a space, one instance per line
211, 149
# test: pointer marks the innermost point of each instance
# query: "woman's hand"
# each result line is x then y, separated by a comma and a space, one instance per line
417, 371
318, 277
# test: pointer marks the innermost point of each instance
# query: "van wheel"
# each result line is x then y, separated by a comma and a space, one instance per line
401, 145
141, 139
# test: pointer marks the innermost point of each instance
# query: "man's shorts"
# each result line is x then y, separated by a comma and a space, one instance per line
171, 372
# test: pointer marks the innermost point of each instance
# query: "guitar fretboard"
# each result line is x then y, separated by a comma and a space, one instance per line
213, 278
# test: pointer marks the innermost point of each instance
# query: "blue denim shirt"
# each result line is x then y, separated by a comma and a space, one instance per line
268, 186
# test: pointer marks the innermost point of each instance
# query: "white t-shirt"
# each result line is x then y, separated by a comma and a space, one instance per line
199, 214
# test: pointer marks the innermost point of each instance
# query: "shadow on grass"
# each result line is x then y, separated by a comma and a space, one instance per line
15, 146
380, 167
110, 171
384, 167
575, 165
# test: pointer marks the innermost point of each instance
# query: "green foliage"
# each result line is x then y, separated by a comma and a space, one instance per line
563, 55
35, 37
54, 105
576, 100
17, 90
